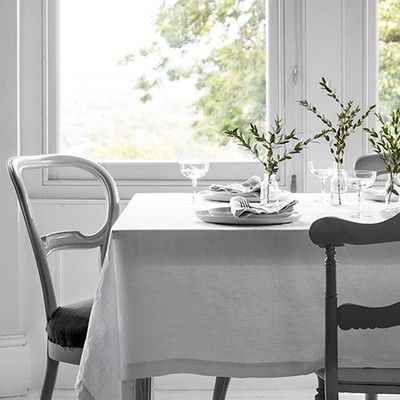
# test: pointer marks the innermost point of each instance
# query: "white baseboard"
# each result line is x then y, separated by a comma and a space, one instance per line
13, 365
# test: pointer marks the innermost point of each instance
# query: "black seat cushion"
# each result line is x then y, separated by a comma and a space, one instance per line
68, 325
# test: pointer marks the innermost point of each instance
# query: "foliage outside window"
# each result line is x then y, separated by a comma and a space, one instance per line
222, 43
199, 70
220, 84
389, 56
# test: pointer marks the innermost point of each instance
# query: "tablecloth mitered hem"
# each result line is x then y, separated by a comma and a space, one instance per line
210, 368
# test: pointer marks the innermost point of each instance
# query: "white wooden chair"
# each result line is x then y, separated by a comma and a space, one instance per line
330, 233
67, 324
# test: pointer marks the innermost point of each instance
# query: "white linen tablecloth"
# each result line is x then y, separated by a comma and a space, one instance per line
178, 295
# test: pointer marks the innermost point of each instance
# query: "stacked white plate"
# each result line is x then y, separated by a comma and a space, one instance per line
223, 215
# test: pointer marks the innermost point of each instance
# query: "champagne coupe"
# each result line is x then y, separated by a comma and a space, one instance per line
322, 170
359, 180
194, 170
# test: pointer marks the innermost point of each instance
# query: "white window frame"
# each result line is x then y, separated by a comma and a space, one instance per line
288, 80
139, 176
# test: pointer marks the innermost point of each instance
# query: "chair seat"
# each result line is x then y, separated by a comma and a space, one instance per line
68, 325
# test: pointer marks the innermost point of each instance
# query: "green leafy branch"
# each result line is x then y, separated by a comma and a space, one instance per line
386, 143
347, 121
271, 154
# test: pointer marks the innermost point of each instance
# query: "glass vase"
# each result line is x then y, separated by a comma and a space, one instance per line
392, 188
269, 189
338, 187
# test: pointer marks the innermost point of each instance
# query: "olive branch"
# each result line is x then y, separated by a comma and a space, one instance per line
347, 122
386, 143
270, 149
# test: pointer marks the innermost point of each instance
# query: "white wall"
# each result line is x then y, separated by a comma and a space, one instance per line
13, 356
340, 45
336, 37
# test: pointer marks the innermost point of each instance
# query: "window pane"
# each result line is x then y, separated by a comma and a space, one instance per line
389, 55
160, 80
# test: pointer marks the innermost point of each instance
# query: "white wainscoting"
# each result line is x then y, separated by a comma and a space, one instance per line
13, 365
74, 282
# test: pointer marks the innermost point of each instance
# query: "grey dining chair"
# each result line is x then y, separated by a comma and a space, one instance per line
371, 162
67, 324
330, 233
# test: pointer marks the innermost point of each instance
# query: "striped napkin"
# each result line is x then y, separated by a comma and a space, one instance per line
249, 186
241, 208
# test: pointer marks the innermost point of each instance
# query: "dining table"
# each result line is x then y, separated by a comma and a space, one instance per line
180, 295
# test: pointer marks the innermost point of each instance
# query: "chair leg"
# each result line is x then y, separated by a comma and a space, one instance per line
371, 396
49, 379
220, 388
320, 389
144, 389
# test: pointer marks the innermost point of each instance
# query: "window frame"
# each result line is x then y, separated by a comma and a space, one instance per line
293, 71
137, 176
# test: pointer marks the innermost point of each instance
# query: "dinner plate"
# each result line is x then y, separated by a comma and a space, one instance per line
377, 195
226, 196
223, 215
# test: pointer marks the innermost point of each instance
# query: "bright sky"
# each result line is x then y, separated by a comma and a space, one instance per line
103, 31
97, 95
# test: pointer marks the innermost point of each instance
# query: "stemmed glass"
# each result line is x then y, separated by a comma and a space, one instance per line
194, 170
359, 180
322, 170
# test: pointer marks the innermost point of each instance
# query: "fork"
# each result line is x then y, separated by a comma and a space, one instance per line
244, 203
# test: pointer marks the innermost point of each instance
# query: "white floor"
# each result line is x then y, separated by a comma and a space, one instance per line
232, 395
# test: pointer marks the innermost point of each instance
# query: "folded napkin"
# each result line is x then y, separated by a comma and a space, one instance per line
241, 208
250, 185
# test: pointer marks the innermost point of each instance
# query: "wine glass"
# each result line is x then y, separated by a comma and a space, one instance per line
322, 170
194, 170
359, 180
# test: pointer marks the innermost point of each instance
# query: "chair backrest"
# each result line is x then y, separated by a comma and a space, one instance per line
329, 233
44, 245
371, 162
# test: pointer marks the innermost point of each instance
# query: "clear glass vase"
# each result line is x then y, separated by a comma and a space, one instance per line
338, 187
269, 189
392, 188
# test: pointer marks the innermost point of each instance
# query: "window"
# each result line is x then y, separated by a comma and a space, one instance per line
305, 41
140, 87
160, 81
389, 55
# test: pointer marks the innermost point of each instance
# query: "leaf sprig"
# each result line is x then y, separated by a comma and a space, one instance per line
273, 149
347, 121
386, 143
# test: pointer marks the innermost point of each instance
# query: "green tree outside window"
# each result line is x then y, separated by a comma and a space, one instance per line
389, 56
222, 45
